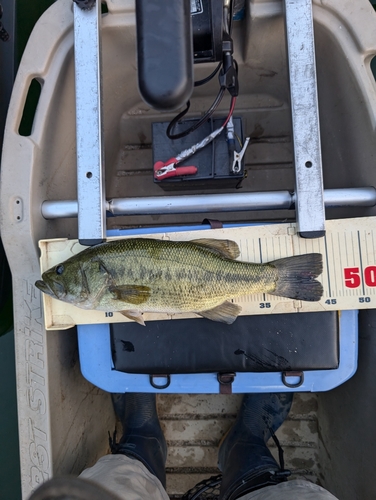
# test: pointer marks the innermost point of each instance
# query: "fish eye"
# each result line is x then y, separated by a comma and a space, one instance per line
59, 269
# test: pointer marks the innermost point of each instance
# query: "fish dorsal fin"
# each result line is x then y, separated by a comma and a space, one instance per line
226, 248
132, 294
225, 313
135, 316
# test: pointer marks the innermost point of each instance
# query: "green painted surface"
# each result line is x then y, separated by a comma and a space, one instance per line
10, 482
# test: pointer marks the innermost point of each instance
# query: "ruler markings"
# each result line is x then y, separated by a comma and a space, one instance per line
346, 257
297, 247
335, 263
349, 274
370, 258
366, 261
373, 254
363, 248
351, 244
355, 240
338, 271
344, 243
354, 244
260, 247
346, 253
300, 243
361, 263
255, 252
327, 266
348, 292
340, 253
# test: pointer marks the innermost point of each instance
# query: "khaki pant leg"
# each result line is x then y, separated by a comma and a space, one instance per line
298, 489
126, 477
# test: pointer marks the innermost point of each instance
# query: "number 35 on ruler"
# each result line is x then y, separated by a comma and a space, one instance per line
353, 277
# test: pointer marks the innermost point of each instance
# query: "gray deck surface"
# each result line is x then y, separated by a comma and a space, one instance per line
194, 425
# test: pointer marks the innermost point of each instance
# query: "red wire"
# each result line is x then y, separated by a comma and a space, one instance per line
232, 106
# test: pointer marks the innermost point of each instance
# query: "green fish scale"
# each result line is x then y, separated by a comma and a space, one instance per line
182, 276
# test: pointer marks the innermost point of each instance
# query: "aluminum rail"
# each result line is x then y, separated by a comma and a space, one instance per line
239, 202
90, 168
310, 213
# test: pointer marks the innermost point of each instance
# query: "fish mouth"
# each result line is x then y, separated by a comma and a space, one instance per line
45, 288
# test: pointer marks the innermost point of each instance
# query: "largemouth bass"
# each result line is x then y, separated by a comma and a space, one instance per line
140, 275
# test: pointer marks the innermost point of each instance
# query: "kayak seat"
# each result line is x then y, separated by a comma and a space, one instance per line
267, 353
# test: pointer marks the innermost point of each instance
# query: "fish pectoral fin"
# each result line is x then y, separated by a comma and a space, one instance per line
225, 248
225, 313
132, 294
135, 316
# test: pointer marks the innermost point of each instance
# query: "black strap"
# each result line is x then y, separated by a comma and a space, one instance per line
283, 472
213, 223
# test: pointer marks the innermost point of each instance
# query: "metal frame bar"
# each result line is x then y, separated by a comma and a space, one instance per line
269, 200
309, 199
90, 159
310, 211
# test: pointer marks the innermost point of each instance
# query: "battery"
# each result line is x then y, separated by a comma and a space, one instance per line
213, 162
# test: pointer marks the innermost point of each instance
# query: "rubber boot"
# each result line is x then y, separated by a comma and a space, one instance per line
142, 437
244, 459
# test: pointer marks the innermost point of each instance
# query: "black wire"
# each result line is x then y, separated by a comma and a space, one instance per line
208, 78
175, 120
194, 127
216, 102
231, 17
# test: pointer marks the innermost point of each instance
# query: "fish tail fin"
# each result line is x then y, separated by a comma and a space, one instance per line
296, 277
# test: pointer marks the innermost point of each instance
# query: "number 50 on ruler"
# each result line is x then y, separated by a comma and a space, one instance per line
353, 276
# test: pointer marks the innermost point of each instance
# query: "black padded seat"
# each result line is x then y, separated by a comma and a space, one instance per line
265, 343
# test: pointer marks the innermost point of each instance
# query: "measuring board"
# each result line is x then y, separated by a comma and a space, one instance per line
348, 278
